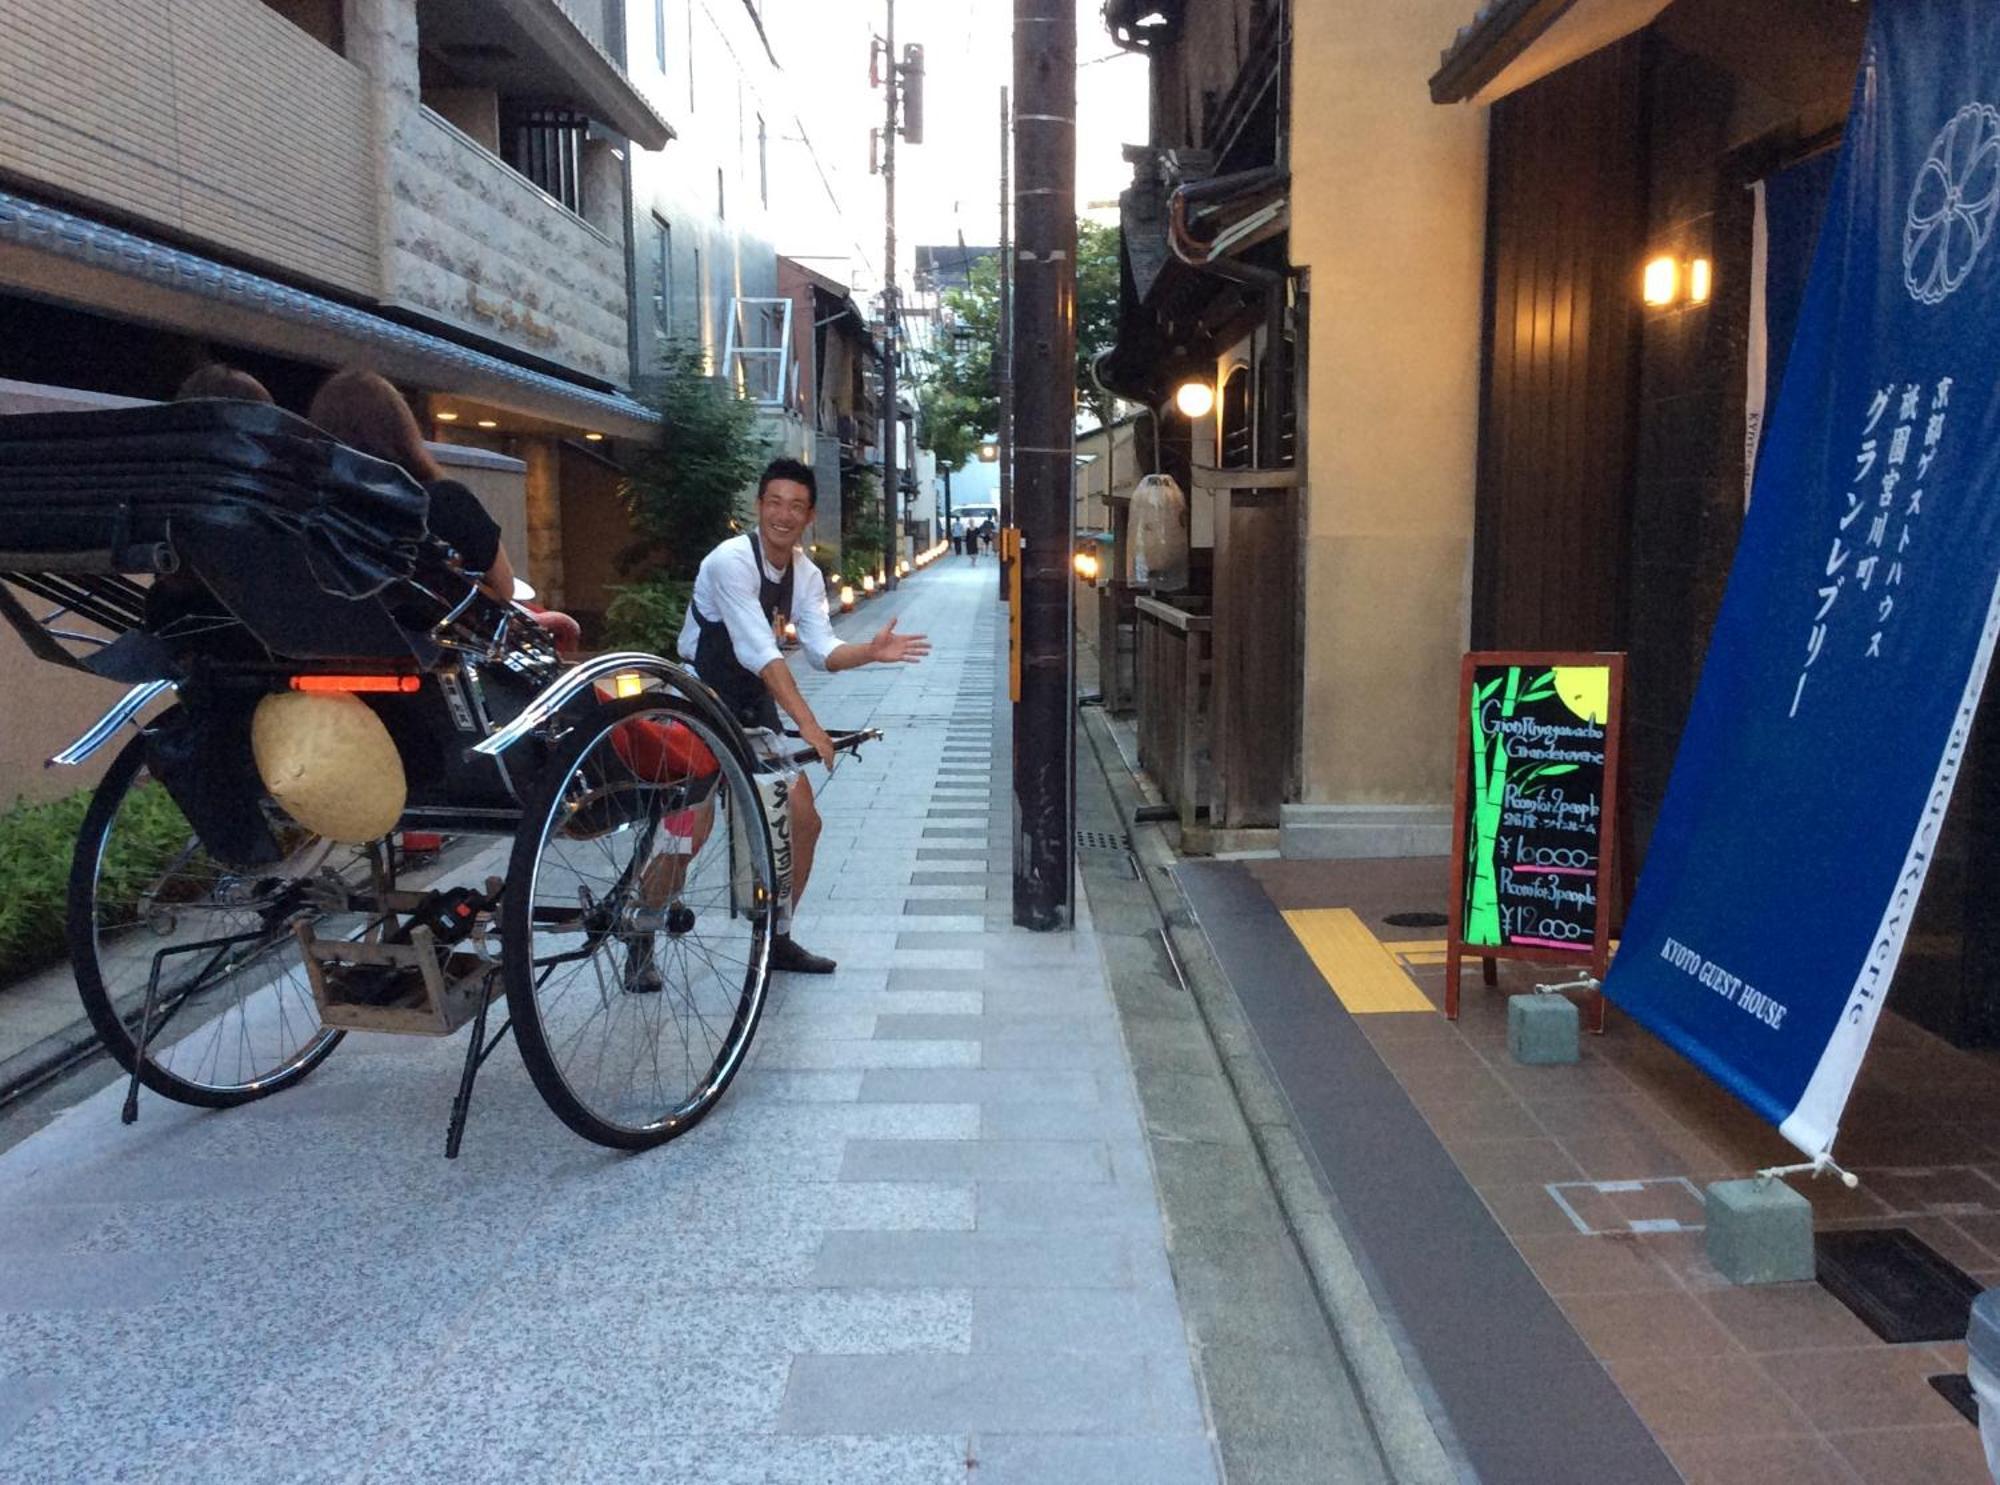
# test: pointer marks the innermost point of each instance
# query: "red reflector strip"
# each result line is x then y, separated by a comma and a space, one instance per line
405, 684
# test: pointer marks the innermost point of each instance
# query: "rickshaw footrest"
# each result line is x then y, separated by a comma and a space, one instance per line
438, 990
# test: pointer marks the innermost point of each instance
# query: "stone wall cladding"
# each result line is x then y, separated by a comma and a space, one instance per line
217, 119
475, 243
470, 241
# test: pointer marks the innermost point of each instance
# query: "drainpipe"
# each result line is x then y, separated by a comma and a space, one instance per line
1211, 258
632, 296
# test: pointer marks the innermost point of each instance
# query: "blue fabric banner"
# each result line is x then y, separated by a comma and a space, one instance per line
1861, 612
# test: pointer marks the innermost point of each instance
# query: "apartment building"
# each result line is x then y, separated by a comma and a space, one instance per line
435, 188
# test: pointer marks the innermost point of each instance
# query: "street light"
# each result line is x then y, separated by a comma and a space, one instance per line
1194, 399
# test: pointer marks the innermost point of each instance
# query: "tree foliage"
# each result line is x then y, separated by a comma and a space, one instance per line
864, 539
1096, 313
958, 396
683, 493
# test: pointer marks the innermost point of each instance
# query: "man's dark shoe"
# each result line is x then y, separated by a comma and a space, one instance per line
642, 975
789, 957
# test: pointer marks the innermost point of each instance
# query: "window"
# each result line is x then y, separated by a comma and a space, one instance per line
660, 33
663, 275
1236, 433
319, 19
763, 163
546, 145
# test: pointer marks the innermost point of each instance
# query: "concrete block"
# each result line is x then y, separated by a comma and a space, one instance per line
1542, 1029
1759, 1232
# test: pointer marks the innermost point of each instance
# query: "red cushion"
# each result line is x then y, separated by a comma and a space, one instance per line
663, 752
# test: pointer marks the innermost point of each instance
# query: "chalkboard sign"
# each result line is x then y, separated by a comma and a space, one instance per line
1536, 810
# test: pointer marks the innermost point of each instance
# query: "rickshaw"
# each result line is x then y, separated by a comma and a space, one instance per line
217, 555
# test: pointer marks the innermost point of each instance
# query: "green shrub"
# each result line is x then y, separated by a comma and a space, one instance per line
647, 615
692, 486
866, 537
36, 843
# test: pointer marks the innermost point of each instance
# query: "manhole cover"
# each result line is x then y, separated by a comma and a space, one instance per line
1900, 1286
1416, 920
1102, 840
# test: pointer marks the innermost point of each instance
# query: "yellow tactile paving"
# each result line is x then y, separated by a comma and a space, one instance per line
1363, 973
1414, 953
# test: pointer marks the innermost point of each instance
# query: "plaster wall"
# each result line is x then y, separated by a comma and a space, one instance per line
702, 215
1388, 216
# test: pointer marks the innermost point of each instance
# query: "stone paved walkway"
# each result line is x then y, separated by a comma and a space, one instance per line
919, 1241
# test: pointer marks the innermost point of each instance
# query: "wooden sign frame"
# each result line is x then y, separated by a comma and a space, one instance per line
1596, 960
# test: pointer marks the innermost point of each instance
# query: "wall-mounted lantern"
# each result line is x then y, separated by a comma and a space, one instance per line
1194, 399
1666, 281
1661, 283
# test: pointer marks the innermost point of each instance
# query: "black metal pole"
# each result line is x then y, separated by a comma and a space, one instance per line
1044, 348
892, 497
1003, 352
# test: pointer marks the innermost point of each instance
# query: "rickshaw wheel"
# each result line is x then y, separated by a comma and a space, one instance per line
234, 1017
637, 922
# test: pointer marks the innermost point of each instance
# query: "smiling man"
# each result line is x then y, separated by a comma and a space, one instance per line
746, 591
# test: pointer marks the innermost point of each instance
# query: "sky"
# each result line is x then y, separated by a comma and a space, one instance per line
949, 184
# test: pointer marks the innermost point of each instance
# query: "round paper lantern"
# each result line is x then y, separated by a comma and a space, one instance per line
330, 763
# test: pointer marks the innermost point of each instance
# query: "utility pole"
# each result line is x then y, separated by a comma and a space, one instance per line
1003, 352
892, 418
1044, 343
903, 87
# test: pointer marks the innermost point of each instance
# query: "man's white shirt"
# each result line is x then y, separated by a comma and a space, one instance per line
728, 587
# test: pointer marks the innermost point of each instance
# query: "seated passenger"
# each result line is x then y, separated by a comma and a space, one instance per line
218, 380
178, 604
364, 412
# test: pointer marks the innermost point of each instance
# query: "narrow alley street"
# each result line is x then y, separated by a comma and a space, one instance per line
919, 1240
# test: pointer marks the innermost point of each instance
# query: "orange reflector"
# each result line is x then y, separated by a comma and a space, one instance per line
406, 684
627, 683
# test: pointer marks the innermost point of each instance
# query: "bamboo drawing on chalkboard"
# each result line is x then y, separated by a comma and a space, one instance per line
1534, 812
1489, 793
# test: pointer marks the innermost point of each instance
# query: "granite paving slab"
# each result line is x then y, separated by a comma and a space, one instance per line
917, 1241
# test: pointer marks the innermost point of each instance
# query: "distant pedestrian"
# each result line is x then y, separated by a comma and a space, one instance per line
958, 536
972, 542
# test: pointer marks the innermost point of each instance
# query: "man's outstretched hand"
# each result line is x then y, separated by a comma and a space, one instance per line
888, 646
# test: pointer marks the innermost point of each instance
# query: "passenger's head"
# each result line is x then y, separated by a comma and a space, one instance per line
364, 412
218, 380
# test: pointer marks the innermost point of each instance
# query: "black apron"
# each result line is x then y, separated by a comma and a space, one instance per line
715, 660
